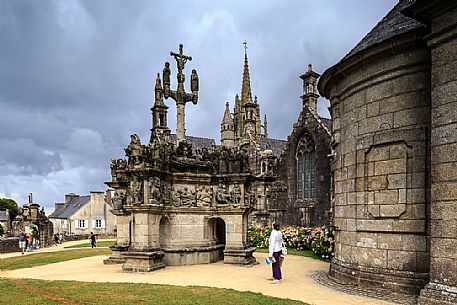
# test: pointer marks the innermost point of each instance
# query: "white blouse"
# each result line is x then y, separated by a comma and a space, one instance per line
274, 242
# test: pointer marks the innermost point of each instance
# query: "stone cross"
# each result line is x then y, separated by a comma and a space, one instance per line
180, 95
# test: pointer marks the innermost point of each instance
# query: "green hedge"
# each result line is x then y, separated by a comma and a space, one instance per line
320, 240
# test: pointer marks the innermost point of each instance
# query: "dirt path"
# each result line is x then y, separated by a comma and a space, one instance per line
297, 283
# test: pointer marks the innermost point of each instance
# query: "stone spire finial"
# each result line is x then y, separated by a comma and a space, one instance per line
310, 95
246, 84
227, 115
265, 126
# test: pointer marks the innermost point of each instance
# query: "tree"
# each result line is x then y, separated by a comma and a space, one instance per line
11, 205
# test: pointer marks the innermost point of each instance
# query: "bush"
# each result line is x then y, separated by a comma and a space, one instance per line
320, 240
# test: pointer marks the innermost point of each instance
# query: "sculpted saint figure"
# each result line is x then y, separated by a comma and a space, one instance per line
133, 151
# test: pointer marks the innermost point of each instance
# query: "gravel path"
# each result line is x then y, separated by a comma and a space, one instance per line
297, 284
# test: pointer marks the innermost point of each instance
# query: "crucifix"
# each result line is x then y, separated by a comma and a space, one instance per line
180, 95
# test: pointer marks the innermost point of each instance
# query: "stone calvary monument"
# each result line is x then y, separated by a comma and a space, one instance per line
176, 205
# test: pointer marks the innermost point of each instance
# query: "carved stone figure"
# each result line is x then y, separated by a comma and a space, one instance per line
166, 76
137, 192
222, 195
154, 190
187, 196
236, 194
134, 151
204, 195
118, 200
175, 197
194, 81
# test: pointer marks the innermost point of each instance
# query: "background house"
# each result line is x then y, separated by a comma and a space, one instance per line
80, 215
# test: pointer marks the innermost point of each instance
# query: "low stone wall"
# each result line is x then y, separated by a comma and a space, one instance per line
8, 245
86, 236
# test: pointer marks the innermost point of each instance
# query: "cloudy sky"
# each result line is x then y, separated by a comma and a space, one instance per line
77, 77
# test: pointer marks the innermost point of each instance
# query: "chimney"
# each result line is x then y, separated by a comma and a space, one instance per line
70, 196
108, 197
97, 195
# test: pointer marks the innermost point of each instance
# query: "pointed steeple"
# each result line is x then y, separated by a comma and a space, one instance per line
227, 129
159, 113
246, 84
227, 115
265, 126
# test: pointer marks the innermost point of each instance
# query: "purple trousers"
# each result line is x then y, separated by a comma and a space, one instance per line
276, 266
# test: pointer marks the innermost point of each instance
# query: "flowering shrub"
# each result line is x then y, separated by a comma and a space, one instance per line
320, 240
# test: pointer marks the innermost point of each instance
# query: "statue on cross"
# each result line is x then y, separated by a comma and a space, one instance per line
180, 95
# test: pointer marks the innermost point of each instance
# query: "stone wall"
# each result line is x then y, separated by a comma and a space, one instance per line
442, 288
8, 245
381, 120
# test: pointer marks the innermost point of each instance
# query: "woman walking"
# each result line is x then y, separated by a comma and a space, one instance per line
275, 251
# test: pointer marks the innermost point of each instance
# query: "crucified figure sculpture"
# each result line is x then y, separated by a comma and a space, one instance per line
180, 95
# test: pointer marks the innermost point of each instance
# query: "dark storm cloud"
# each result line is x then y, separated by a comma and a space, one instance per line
77, 77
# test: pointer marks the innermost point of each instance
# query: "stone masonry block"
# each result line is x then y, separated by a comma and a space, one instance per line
443, 153
367, 240
397, 181
444, 134
392, 210
389, 241
444, 191
445, 229
402, 260
417, 243
393, 166
377, 183
411, 116
444, 248
444, 211
444, 114
387, 197
371, 257
444, 172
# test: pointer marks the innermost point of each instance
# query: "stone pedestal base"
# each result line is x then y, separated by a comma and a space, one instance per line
377, 278
239, 257
438, 294
193, 255
115, 257
143, 261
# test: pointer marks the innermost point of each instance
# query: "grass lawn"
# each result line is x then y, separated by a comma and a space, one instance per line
305, 253
26, 291
101, 243
44, 258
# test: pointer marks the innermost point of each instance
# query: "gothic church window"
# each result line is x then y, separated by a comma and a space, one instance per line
306, 168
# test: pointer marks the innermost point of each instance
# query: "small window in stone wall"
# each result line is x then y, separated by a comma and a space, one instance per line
98, 223
306, 168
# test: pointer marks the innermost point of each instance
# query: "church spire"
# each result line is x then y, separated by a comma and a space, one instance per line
227, 115
227, 130
246, 85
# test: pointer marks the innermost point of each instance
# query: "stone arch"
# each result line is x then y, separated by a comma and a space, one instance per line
164, 231
217, 230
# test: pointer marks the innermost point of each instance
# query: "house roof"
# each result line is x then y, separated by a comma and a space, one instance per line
393, 24
71, 207
3, 216
197, 142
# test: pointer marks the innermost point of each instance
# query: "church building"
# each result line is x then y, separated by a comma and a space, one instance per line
293, 185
